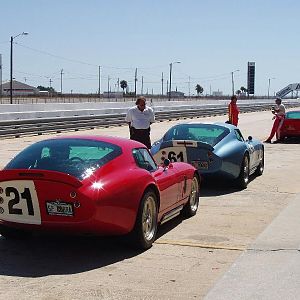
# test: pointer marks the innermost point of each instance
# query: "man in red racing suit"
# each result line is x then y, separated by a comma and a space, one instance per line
279, 114
233, 111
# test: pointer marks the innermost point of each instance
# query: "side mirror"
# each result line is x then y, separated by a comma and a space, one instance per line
166, 163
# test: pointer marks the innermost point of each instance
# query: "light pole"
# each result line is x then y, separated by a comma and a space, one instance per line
11, 61
170, 79
232, 80
269, 86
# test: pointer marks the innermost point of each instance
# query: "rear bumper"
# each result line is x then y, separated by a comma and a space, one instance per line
106, 221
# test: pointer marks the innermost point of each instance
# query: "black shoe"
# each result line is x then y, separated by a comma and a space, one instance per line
277, 142
267, 141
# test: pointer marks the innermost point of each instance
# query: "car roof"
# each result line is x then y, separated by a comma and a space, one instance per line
119, 141
229, 126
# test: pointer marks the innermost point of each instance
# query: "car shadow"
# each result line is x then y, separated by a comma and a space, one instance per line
43, 256
168, 226
291, 140
217, 187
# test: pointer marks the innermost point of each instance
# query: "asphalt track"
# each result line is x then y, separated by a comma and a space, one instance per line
240, 245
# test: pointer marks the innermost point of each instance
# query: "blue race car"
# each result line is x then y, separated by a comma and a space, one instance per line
217, 149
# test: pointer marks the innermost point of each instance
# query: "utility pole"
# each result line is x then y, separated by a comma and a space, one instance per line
61, 81
170, 80
0, 76
162, 84
189, 86
11, 69
11, 63
232, 81
50, 91
108, 87
99, 82
135, 80
167, 87
118, 83
142, 89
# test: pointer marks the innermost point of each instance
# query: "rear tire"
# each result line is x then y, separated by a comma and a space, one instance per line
191, 207
243, 179
145, 229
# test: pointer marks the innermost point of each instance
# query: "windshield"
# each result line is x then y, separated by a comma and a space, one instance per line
207, 133
293, 115
77, 157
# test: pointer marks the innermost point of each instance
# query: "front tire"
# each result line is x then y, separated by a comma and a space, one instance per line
243, 179
145, 228
191, 207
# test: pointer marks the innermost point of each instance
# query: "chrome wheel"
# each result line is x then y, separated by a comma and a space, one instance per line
145, 227
149, 218
194, 196
191, 206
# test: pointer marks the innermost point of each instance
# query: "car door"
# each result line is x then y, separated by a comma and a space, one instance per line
250, 146
165, 177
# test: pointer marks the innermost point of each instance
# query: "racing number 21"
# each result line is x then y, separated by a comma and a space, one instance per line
16, 196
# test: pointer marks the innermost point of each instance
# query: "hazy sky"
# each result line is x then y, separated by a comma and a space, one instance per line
210, 38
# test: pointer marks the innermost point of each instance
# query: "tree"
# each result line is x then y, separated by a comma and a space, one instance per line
199, 89
43, 88
243, 90
123, 85
238, 92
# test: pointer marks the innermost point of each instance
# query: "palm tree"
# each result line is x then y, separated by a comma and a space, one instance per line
243, 90
199, 89
238, 92
123, 85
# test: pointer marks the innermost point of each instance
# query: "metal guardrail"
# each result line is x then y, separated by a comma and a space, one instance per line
17, 128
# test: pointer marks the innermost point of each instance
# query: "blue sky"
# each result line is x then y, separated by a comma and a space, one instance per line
210, 38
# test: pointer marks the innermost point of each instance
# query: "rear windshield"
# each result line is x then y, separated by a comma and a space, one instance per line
207, 133
76, 157
293, 115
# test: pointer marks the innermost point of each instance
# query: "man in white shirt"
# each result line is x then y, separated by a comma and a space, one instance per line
279, 114
139, 119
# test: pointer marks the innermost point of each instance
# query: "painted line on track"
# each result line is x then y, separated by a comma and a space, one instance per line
198, 245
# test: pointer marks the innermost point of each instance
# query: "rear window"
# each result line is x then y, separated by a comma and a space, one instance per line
76, 157
293, 115
207, 133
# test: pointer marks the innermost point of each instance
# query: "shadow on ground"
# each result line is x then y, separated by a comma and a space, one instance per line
292, 140
43, 256
214, 187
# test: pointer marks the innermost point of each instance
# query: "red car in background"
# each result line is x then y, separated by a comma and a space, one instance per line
291, 125
91, 185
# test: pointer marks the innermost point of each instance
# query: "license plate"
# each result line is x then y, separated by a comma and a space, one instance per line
56, 208
203, 165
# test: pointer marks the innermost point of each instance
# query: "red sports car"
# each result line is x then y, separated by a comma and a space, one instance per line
291, 125
94, 185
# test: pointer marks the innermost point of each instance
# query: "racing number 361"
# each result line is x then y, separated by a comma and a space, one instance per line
15, 196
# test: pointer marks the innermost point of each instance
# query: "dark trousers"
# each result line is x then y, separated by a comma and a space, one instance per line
141, 135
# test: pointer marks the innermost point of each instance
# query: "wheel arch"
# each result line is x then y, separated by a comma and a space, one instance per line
154, 188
